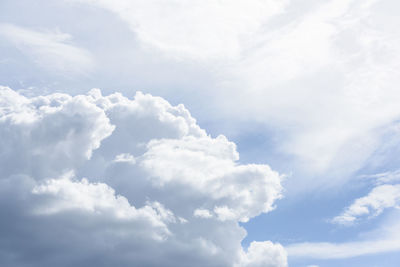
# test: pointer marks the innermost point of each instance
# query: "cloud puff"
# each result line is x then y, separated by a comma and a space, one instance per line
46, 136
105, 180
263, 254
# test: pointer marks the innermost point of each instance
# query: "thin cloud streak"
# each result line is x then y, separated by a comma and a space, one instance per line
51, 50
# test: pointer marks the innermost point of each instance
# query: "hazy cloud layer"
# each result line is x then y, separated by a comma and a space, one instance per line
94, 180
314, 72
326, 250
200, 30
52, 51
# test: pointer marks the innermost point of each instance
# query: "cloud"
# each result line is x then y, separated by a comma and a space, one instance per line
106, 180
52, 51
384, 177
383, 239
264, 254
46, 136
339, 57
202, 30
380, 198
320, 77
207, 166
203, 213
342, 250
63, 195
125, 157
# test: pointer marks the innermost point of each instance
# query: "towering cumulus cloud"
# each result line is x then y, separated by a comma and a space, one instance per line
96, 180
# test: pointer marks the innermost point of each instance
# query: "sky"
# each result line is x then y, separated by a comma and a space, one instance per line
258, 133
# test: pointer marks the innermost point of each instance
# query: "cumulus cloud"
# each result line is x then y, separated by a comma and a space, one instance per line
203, 213
107, 180
264, 254
51, 50
63, 195
46, 136
380, 198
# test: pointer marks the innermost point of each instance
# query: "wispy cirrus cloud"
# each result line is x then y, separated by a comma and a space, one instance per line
384, 177
328, 56
380, 198
321, 250
199, 30
51, 50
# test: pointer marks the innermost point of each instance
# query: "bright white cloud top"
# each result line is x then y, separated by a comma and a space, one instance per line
106, 180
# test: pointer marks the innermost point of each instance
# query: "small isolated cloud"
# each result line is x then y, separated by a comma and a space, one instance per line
380, 198
52, 51
111, 181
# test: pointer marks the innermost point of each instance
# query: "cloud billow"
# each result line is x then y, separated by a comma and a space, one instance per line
104, 180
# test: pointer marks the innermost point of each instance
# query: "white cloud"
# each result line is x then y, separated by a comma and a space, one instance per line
384, 238
323, 81
52, 51
380, 198
46, 136
338, 57
314, 72
125, 157
107, 180
202, 213
99, 199
224, 213
342, 250
264, 254
197, 30
384, 177
207, 166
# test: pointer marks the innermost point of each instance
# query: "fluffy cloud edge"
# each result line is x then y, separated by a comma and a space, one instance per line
55, 136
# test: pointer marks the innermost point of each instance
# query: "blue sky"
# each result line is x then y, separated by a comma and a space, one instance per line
309, 89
